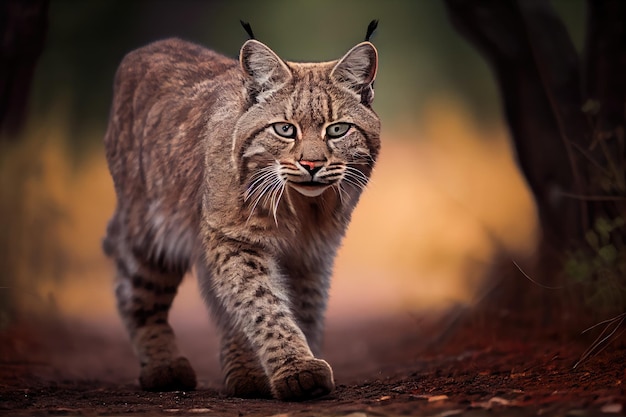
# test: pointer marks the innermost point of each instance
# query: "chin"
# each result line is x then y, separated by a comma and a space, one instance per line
310, 190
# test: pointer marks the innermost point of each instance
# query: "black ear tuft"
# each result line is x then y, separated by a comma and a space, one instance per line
246, 26
370, 29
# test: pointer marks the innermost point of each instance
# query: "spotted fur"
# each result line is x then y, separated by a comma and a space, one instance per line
234, 170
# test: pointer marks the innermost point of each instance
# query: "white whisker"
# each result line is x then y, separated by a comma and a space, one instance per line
354, 183
262, 184
340, 191
265, 188
269, 198
357, 174
355, 177
258, 178
276, 199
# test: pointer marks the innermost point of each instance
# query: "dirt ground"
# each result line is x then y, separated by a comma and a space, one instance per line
398, 365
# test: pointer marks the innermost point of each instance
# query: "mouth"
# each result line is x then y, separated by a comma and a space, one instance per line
309, 188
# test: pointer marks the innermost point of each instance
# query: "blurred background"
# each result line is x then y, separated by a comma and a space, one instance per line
445, 198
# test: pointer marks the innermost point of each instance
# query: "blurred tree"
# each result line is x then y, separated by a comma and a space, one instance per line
23, 27
567, 118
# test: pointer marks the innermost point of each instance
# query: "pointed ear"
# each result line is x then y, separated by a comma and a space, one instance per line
266, 69
357, 71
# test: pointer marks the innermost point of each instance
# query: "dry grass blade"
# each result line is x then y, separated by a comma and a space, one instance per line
547, 287
601, 342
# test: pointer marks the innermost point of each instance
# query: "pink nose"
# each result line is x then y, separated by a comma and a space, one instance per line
309, 164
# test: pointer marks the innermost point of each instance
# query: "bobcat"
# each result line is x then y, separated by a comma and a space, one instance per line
245, 173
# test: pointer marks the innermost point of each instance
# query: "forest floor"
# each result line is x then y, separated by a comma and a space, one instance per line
393, 366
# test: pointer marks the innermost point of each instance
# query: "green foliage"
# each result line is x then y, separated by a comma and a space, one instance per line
597, 270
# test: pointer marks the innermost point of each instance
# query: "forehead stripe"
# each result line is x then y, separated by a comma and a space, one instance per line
329, 108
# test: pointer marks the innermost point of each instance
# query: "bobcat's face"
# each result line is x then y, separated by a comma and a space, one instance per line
310, 127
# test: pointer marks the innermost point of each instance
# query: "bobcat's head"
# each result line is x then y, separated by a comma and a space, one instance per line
309, 127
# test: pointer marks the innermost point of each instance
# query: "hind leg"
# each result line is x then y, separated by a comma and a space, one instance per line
144, 296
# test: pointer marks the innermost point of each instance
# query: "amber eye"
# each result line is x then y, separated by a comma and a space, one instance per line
337, 130
286, 130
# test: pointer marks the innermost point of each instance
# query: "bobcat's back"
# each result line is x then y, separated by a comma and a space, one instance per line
165, 94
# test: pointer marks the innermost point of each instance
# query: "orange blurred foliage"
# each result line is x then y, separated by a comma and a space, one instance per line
444, 199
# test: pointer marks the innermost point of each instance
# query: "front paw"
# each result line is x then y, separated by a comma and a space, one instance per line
247, 384
302, 380
177, 375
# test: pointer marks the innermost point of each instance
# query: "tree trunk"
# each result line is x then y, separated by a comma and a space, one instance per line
23, 27
566, 117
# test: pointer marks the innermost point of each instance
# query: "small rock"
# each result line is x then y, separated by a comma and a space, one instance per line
613, 408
